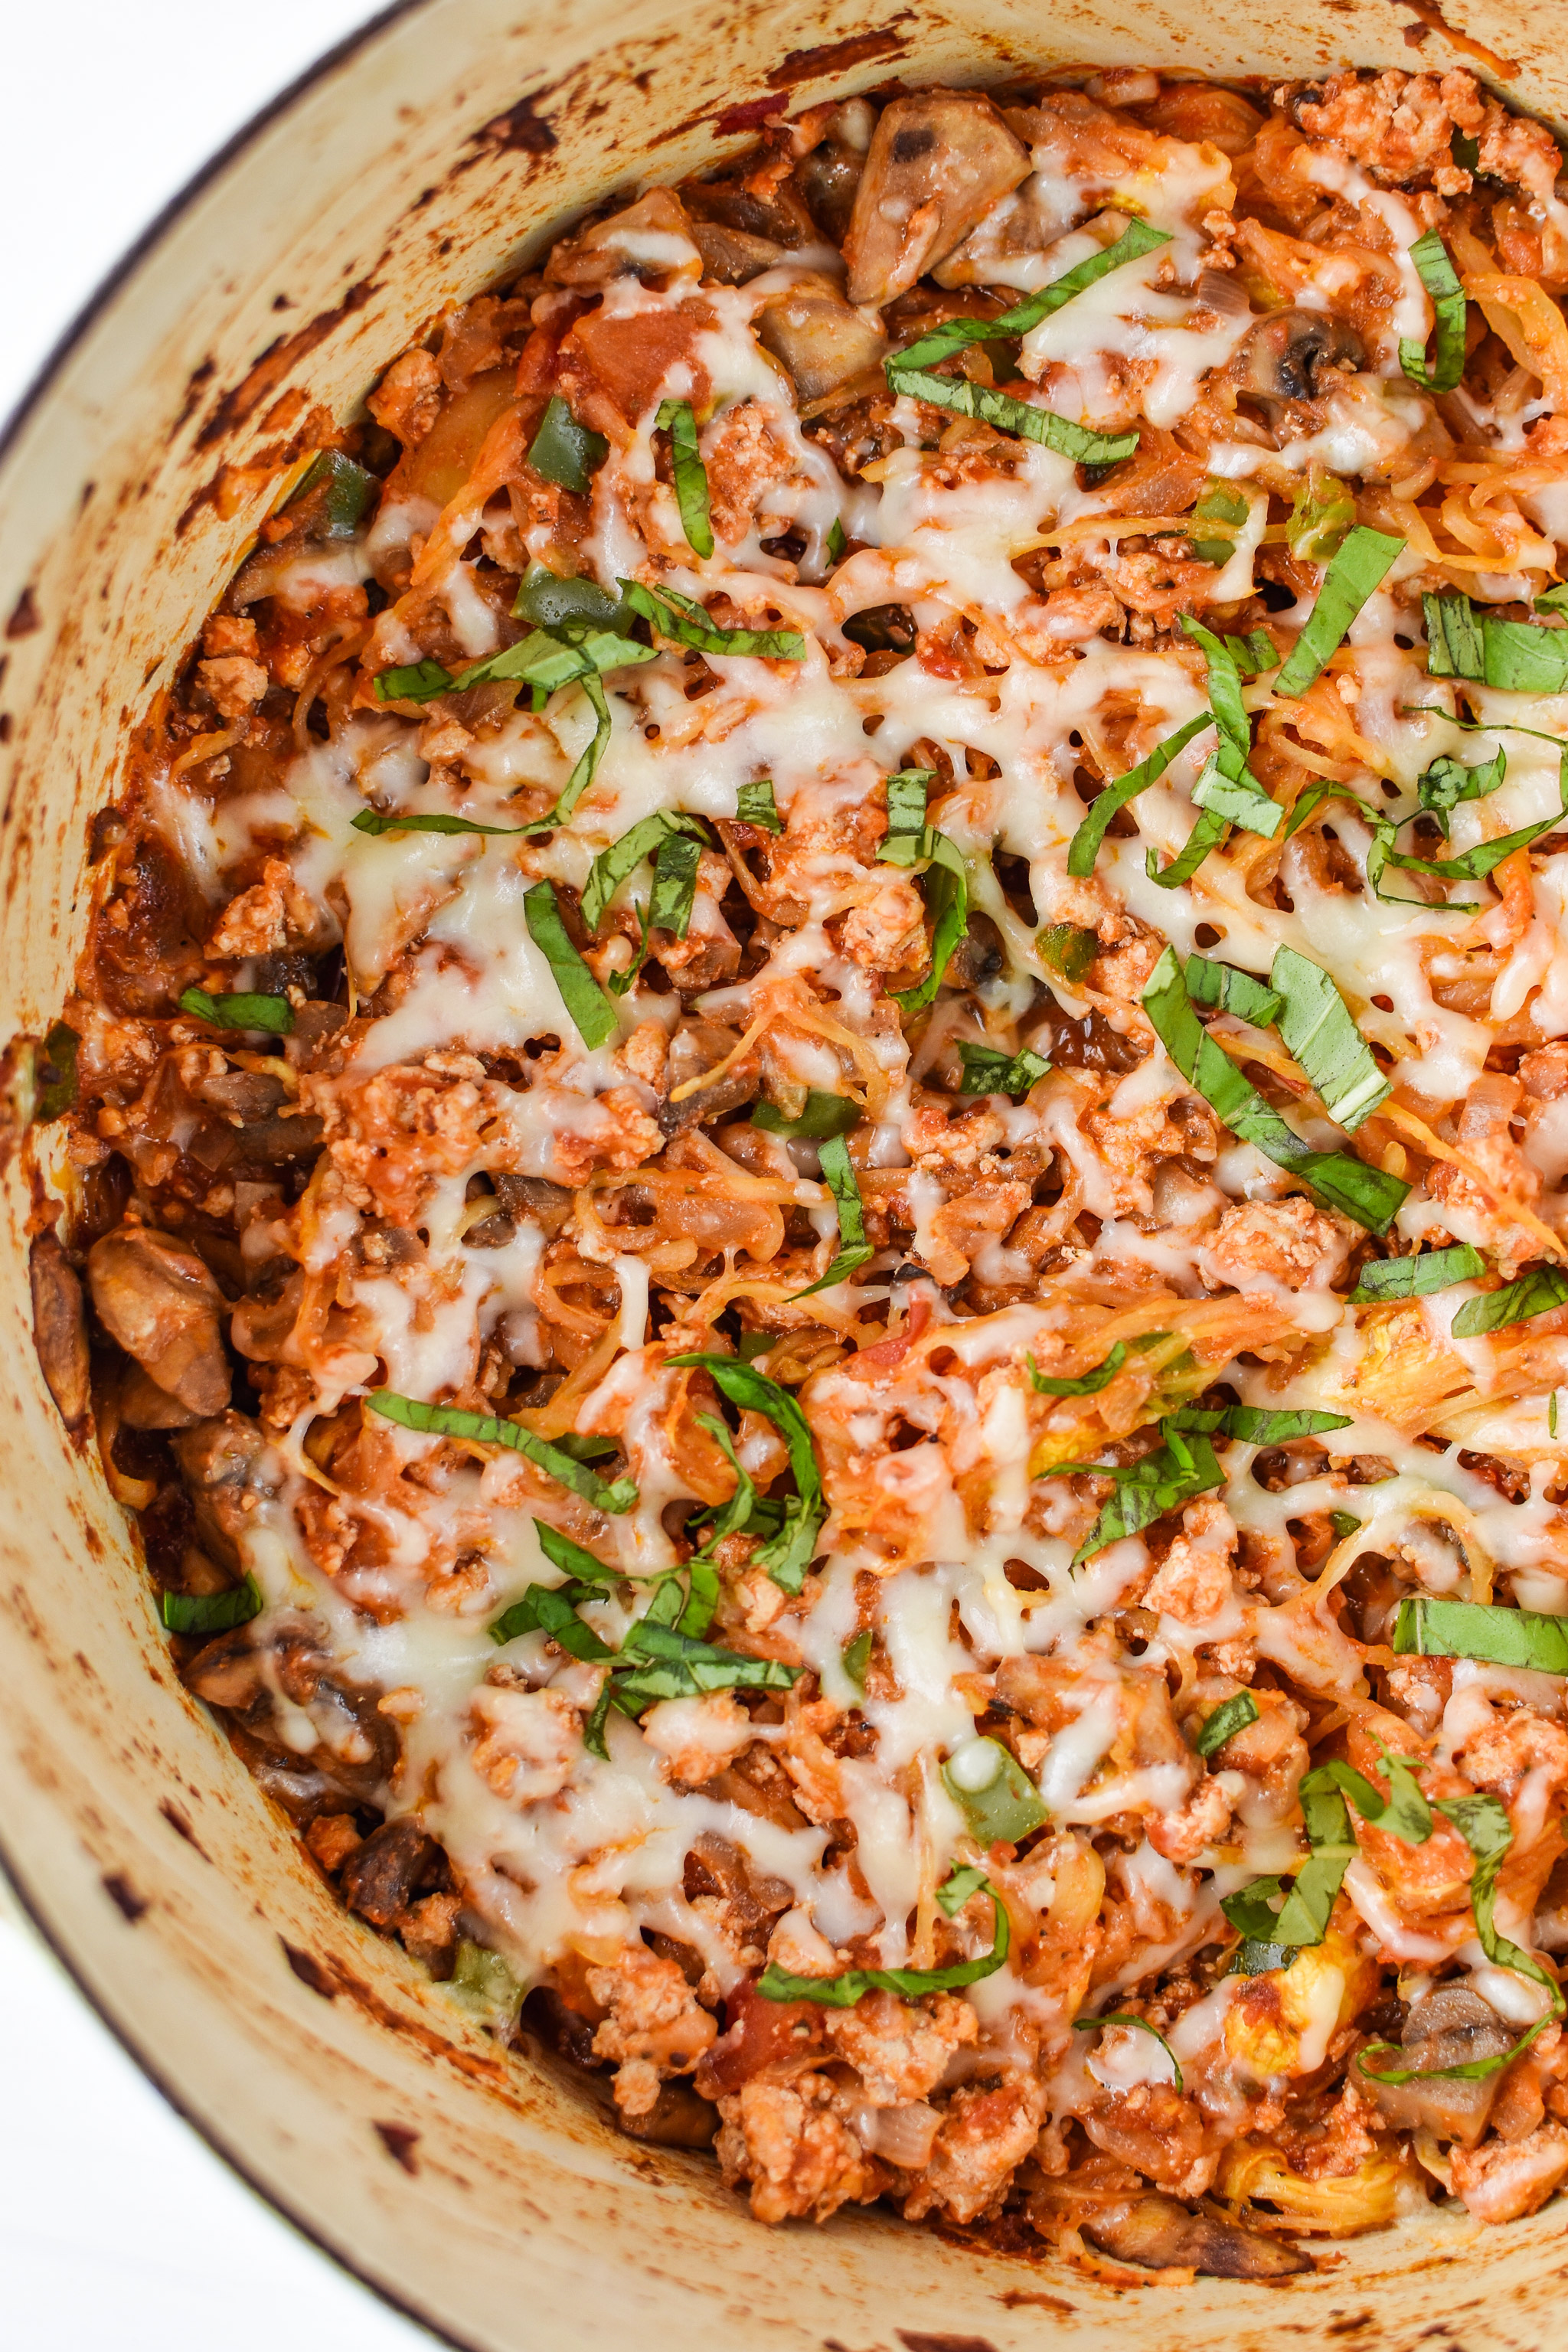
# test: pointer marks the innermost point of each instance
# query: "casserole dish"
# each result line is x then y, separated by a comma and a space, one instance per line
405, 174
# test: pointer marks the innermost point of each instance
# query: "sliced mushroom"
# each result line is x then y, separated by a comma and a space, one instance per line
227, 1672
819, 337
696, 1047
940, 159
830, 174
1296, 355
396, 1863
59, 1328
534, 1198
645, 241
1157, 2233
159, 1302
678, 2118
145, 1405
1452, 2027
225, 1461
732, 255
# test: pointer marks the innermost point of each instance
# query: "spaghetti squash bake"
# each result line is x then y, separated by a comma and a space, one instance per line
810, 1161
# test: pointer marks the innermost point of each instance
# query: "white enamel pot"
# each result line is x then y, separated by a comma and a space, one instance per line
483, 2193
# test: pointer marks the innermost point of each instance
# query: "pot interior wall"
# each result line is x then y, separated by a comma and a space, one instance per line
484, 2193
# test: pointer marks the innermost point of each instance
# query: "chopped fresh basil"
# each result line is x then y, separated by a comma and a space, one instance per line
745, 1513
568, 1557
559, 656
620, 982
1551, 1414
1448, 781
1426, 1628
1483, 1822
675, 884
55, 1075
1523, 657
612, 865
1125, 2017
657, 1660
340, 491
1303, 1918
1224, 687
1322, 515
1416, 1277
1231, 1715
553, 1609
1472, 866
947, 903
1319, 1029
1344, 1525
380, 820
591, 1011
1554, 601
835, 541
484, 1429
212, 1613
685, 623
755, 804
1256, 1425
1084, 847
240, 1011
676, 418
415, 682
844, 1991
1088, 1385
1437, 273
992, 1791
1454, 647
988, 1072
1516, 657
822, 1115
1146, 1490
957, 334
1008, 414
854, 1249
1536, 1293
858, 1657
1239, 800
1354, 572
565, 451
1068, 949
907, 789
1335, 1179
790, 1553
1206, 835
1229, 990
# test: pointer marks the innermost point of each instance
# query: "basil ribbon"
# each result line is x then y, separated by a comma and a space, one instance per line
485, 1429
844, 1991
239, 1011
676, 418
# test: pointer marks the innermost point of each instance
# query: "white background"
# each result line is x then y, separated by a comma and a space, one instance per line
119, 2231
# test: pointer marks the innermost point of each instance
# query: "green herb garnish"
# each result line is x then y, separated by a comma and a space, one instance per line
988, 1072
1536, 1293
844, 1991
239, 1011
1437, 273
792, 1550
1231, 1715
676, 418
684, 622
1356, 571
854, 1249
1084, 847
1416, 1277
212, 1613
591, 1011
484, 1429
